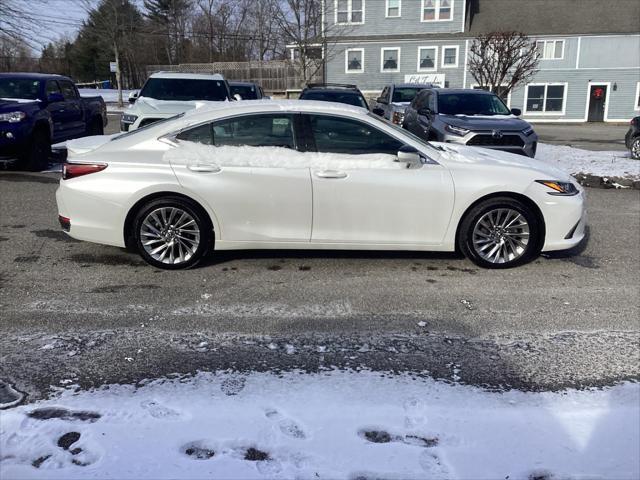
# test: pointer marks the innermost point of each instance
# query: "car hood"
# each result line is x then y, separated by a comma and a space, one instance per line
455, 154
151, 106
10, 104
486, 122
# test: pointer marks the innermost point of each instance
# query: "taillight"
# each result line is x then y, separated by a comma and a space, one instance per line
73, 170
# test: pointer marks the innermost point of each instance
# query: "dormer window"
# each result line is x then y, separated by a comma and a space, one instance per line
350, 11
437, 10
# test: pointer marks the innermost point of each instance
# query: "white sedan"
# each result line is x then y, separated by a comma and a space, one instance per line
310, 175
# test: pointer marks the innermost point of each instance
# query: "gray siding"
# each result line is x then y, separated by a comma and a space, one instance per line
409, 23
610, 52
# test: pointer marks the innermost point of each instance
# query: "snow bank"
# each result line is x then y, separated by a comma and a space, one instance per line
191, 153
602, 164
336, 425
108, 95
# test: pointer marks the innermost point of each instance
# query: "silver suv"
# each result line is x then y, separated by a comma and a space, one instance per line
471, 117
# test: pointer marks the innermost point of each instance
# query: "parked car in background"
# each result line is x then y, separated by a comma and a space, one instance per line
335, 92
310, 175
632, 138
395, 98
37, 110
469, 117
166, 94
247, 90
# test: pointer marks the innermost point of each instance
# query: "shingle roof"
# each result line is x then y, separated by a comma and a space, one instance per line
552, 17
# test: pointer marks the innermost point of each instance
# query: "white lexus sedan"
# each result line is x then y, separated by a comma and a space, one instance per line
310, 175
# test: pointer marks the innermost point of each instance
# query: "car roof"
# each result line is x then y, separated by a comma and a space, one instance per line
476, 91
243, 84
34, 76
333, 90
191, 76
413, 85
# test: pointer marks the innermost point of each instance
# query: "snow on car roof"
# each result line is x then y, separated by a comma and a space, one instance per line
192, 76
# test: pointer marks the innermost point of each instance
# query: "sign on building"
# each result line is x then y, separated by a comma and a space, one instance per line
434, 78
112, 67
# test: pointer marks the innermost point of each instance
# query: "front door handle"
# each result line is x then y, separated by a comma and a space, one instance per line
331, 174
204, 168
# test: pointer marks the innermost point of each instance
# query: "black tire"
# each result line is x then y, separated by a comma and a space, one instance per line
191, 208
37, 152
96, 126
635, 148
472, 218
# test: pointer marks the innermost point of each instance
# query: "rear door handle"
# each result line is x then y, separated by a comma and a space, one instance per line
331, 174
204, 168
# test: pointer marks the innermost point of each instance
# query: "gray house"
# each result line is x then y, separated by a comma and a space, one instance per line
590, 50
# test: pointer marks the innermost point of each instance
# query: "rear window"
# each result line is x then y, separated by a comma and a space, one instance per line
247, 92
185, 89
349, 98
405, 94
147, 127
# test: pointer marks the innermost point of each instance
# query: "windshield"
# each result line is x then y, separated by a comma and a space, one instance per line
350, 98
28, 89
247, 92
147, 127
184, 89
405, 94
471, 104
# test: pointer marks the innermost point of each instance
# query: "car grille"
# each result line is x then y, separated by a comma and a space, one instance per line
148, 121
488, 140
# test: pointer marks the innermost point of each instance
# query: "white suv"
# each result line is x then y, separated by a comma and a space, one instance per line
166, 94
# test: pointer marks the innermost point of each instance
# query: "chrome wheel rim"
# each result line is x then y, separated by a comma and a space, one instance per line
635, 148
501, 235
170, 235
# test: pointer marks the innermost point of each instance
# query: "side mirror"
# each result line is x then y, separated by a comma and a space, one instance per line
237, 96
55, 97
516, 111
133, 96
409, 155
378, 111
427, 112
382, 100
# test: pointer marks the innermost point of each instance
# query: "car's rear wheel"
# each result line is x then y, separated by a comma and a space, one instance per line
500, 232
172, 233
635, 148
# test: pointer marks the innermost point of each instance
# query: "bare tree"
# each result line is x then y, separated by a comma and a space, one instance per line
500, 61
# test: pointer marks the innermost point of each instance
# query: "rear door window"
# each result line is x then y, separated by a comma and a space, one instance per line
68, 90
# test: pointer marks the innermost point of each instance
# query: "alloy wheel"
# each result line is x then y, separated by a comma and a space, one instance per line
635, 148
501, 235
170, 235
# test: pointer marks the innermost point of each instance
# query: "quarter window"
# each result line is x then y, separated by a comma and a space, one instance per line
450, 56
550, 49
349, 11
427, 59
354, 60
390, 60
437, 10
546, 98
344, 135
393, 8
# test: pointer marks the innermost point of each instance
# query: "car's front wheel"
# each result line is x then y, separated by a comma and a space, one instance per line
172, 233
500, 232
635, 148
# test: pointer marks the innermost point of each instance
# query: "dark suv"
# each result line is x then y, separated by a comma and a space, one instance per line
470, 117
334, 92
246, 90
632, 138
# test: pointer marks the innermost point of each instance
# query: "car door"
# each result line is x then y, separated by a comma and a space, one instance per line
361, 199
57, 109
246, 168
74, 115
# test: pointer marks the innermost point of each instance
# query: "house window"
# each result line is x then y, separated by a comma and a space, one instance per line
550, 49
354, 60
427, 59
450, 56
545, 98
393, 8
437, 10
350, 11
390, 60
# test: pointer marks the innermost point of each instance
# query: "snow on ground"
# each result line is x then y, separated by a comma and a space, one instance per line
107, 94
336, 425
603, 164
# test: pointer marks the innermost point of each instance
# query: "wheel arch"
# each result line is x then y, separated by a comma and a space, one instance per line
514, 195
131, 214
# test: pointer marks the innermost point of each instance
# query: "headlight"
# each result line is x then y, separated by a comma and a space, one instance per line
456, 130
560, 188
129, 118
527, 131
398, 118
12, 117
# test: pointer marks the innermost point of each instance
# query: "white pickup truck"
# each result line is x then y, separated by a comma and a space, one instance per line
166, 94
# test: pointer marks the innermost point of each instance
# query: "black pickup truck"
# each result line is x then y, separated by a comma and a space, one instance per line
38, 110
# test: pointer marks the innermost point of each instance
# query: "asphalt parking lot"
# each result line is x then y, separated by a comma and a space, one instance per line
91, 314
